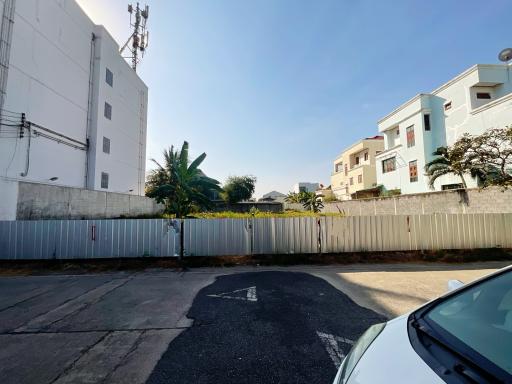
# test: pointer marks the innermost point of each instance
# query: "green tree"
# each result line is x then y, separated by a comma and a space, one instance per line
311, 201
179, 184
448, 160
490, 156
295, 198
238, 188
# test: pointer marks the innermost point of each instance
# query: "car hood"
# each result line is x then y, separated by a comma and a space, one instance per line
391, 359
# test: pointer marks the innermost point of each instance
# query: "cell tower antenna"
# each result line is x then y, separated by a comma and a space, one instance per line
138, 40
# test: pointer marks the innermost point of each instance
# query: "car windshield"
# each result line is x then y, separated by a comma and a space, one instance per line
481, 318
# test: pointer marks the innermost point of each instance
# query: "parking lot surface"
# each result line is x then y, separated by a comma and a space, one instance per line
244, 324
265, 327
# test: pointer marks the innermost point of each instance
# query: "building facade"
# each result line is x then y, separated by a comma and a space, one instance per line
304, 186
476, 100
74, 113
354, 169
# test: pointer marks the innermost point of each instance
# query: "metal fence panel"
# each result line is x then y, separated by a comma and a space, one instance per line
79, 239
206, 237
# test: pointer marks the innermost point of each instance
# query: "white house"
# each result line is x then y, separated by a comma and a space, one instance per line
86, 106
478, 99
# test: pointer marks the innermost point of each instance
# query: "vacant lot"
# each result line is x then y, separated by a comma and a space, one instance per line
244, 324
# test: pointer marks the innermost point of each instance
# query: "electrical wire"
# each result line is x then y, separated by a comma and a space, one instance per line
38, 133
6, 110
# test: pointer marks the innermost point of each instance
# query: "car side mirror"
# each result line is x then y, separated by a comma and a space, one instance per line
454, 284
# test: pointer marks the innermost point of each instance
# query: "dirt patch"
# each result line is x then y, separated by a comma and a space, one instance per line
37, 267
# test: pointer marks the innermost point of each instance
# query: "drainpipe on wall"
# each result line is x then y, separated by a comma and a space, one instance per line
89, 110
5, 47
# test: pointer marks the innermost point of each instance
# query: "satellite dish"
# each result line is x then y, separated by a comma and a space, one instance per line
505, 55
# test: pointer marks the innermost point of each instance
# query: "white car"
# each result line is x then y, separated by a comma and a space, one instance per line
464, 336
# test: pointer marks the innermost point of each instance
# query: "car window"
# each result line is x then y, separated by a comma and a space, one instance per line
481, 318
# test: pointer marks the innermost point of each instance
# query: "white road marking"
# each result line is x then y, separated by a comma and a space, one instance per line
333, 347
250, 295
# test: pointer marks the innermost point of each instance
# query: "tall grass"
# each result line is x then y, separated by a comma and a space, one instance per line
244, 215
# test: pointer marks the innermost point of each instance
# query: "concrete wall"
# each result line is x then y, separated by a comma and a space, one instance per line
491, 200
42, 201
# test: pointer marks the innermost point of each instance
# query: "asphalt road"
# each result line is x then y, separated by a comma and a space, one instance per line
265, 327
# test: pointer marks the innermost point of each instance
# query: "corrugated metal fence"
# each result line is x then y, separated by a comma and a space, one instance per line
79, 239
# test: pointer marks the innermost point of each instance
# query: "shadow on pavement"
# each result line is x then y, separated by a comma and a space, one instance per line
265, 327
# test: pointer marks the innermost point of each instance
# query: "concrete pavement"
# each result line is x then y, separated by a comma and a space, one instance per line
115, 327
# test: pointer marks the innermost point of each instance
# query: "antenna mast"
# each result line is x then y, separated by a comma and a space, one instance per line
139, 37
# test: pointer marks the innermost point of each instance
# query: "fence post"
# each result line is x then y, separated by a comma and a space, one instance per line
251, 235
319, 236
182, 239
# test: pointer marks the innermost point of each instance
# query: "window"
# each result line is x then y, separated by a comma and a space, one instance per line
476, 319
346, 169
366, 156
351, 181
104, 180
410, 136
483, 95
447, 187
109, 77
106, 145
108, 111
398, 131
338, 167
448, 106
426, 122
360, 179
413, 171
357, 160
389, 165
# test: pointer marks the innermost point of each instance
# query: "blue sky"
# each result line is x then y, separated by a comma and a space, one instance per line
277, 88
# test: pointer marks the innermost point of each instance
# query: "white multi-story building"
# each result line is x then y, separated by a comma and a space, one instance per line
478, 99
86, 106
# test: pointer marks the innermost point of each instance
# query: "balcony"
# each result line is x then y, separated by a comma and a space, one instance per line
389, 151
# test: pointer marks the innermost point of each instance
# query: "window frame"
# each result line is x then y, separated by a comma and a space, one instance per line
426, 122
104, 176
413, 178
479, 94
360, 179
106, 140
410, 136
107, 107
386, 161
107, 77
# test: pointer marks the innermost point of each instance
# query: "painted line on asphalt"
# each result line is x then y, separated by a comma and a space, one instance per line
332, 344
249, 296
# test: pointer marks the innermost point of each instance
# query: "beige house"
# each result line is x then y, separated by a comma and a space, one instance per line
354, 170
